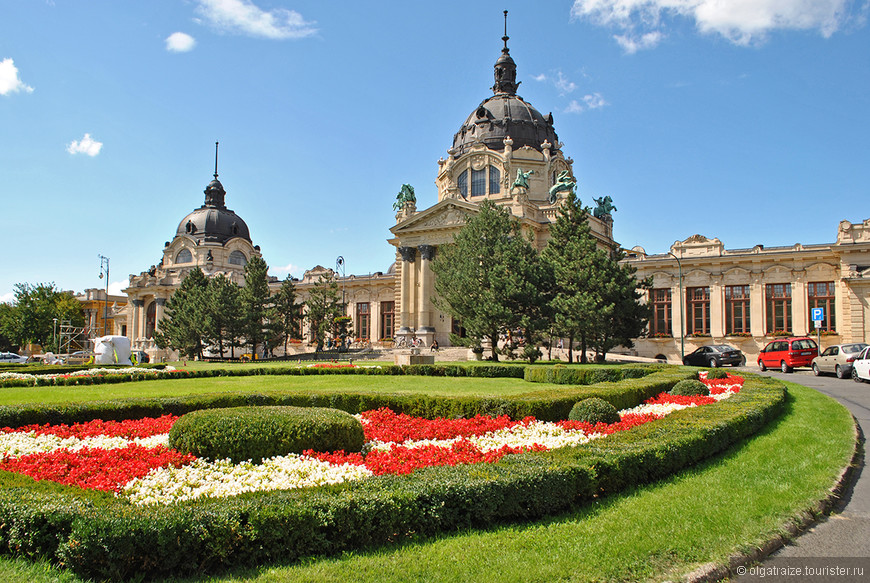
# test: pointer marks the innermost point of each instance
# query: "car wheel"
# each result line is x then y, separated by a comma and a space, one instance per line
784, 367
761, 366
855, 376
839, 372
713, 363
816, 370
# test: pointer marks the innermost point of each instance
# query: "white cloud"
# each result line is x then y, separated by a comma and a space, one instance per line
290, 268
743, 22
9, 81
87, 145
563, 84
541, 77
116, 287
179, 42
244, 17
631, 44
592, 101
7, 298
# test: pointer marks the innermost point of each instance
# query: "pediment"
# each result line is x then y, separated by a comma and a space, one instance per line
447, 214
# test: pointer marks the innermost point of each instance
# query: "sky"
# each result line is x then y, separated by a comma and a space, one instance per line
745, 120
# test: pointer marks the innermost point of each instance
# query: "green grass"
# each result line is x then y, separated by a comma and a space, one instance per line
399, 384
655, 532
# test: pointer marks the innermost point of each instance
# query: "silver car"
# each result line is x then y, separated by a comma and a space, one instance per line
838, 359
7, 357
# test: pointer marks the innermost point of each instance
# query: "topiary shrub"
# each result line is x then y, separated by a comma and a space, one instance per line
593, 410
717, 374
258, 433
690, 387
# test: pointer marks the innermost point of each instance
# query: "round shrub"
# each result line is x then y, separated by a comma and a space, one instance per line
594, 410
689, 388
258, 433
717, 374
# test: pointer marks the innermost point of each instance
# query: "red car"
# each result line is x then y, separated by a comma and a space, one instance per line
788, 353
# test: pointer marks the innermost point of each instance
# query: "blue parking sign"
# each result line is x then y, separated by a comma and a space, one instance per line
818, 314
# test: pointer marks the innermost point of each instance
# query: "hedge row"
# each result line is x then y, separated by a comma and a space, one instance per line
562, 375
105, 538
548, 405
156, 372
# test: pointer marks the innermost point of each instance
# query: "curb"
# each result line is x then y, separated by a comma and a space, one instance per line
805, 519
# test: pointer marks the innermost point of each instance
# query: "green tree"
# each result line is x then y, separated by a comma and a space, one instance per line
594, 297
568, 257
324, 306
288, 313
31, 317
184, 327
223, 313
490, 278
257, 310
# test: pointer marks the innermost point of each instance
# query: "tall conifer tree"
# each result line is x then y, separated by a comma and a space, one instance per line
256, 303
183, 325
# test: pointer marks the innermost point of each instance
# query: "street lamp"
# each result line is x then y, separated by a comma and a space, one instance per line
682, 315
104, 269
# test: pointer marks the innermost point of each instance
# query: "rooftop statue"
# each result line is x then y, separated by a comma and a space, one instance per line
405, 196
564, 183
522, 180
604, 207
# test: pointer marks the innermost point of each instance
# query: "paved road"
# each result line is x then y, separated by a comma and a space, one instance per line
846, 533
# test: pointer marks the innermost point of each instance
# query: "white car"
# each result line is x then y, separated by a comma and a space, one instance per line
861, 366
11, 357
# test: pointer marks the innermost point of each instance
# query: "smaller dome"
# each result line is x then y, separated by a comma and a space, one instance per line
213, 225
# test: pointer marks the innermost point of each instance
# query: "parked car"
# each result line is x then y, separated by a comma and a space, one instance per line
788, 353
861, 366
715, 355
838, 359
11, 357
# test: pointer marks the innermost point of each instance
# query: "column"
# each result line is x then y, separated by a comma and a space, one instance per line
407, 296
800, 321
427, 254
717, 307
161, 303
137, 319
756, 306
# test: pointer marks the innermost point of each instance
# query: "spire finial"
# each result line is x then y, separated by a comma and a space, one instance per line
215, 159
505, 37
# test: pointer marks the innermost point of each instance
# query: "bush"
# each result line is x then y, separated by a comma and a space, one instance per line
690, 387
717, 374
593, 410
257, 433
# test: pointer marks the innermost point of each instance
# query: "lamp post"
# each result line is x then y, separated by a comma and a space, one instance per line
54, 335
339, 267
104, 269
682, 315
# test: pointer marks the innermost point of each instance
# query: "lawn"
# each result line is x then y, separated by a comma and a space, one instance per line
654, 532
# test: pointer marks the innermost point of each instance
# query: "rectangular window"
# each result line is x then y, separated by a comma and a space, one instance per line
494, 180
462, 184
662, 316
388, 319
821, 295
777, 304
478, 182
698, 310
736, 309
363, 321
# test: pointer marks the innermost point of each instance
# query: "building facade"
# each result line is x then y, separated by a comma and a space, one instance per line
703, 293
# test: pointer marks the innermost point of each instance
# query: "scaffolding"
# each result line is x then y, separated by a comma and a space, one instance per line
72, 338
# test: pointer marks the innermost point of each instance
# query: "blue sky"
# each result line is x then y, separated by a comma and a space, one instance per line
745, 120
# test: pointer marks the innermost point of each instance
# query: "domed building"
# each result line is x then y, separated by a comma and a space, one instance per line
505, 151
213, 238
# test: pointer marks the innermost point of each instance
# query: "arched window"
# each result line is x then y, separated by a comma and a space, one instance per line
462, 183
151, 319
494, 179
184, 256
238, 258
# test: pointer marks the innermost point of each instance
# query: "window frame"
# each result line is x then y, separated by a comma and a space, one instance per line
738, 303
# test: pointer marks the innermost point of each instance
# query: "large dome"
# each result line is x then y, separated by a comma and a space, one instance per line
213, 222
505, 114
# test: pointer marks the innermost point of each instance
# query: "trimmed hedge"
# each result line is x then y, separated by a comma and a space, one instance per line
547, 405
594, 410
258, 433
106, 538
563, 375
690, 388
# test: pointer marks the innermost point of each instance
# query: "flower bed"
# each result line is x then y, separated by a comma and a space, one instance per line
132, 459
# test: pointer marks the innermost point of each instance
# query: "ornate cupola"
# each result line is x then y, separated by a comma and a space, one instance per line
505, 68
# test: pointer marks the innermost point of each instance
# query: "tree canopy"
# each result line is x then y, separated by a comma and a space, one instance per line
31, 316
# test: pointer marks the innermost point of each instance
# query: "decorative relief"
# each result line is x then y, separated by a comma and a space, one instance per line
427, 252
408, 253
